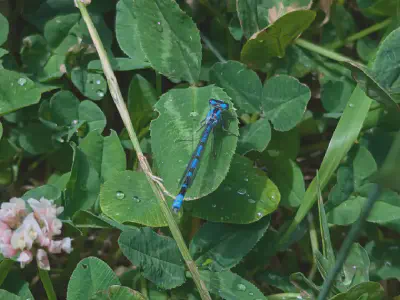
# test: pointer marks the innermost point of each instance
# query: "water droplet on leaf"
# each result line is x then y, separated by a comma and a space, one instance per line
98, 81
100, 93
159, 27
136, 199
252, 201
120, 195
241, 287
241, 191
21, 81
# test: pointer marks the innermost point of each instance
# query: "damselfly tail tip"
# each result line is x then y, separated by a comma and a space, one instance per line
175, 210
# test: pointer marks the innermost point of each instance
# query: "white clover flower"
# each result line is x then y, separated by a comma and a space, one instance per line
25, 234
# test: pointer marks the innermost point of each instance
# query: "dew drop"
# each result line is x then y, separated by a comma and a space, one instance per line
259, 215
241, 191
246, 179
354, 267
273, 196
241, 287
100, 93
214, 205
74, 122
351, 105
194, 114
21, 81
228, 188
120, 195
98, 81
252, 201
136, 199
388, 263
251, 293
159, 27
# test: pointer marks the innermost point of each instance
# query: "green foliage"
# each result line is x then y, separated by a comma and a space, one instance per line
157, 256
305, 123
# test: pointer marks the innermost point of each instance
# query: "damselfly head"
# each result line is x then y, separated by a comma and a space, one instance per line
219, 103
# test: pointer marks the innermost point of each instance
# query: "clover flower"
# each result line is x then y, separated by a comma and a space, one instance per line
27, 229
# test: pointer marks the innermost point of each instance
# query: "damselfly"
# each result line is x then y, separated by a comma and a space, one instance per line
213, 118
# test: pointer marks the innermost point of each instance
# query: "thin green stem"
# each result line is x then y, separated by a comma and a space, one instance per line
214, 50
5, 267
361, 34
156, 187
47, 284
348, 242
322, 51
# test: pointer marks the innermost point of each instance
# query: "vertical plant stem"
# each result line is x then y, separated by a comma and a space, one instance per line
5, 267
47, 284
120, 104
348, 242
361, 34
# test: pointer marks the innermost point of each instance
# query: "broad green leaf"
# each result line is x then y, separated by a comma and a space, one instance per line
4, 28
235, 29
245, 196
2, 53
373, 290
389, 174
60, 111
273, 40
345, 134
240, 83
126, 29
230, 286
90, 84
83, 186
47, 191
283, 144
379, 7
34, 53
220, 247
247, 13
120, 64
175, 134
335, 95
57, 32
15, 284
95, 119
158, 256
356, 266
288, 177
385, 261
386, 209
370, 85
105, 154
169, 39
36, 139
117, 292
90, 276
4, 295
141, 98
254, 136
128, 197
284, 101
366, 48
18, 91
53, 68
277, 280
